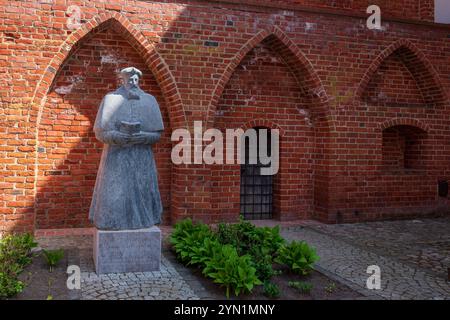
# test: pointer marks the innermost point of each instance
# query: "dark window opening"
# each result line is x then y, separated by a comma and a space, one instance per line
443, 188
403, 148
256, 189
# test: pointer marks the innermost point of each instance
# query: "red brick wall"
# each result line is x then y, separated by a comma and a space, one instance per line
264, 87
352, 83
68, 166
393, 85
404, 9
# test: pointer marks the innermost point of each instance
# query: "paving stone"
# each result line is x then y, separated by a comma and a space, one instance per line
344, 253
413, 257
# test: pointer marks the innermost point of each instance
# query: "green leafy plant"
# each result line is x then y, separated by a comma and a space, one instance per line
15, 254
303, 287
16, 249
193, 244
270, 238
277, 272
260, 243
262, 261
271, 290
203, 251
237, 256
330, 287
227, 234
9, 285
182, 228
53, 257
298, 256
244, 236
232, 271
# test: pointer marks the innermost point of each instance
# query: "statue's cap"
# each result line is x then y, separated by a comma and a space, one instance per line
131, 71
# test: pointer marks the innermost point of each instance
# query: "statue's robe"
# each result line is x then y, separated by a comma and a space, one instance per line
126, 194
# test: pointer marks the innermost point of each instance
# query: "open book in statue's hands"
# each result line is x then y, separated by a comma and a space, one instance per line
129, 127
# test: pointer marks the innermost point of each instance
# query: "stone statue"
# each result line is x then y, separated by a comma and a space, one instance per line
126, 194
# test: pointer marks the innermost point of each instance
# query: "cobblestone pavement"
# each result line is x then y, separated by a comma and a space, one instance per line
422, 244
413, 257
347, 250
164, 284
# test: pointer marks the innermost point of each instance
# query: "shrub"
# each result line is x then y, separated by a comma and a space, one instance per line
298, 256
271, 290
190, 242
9, 285
203, 251
53, 257
244, 236
262, 261
16, 249
234, 272
182, 228
261, 243
14, 256
238, 256
196, 244
270, 238
301, 286
227, 234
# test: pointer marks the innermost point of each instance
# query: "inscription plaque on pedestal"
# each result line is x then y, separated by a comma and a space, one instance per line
127, 250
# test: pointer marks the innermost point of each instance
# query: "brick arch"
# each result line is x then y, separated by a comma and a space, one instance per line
263, 123
151, 57
417, 63
404, 122
292, 55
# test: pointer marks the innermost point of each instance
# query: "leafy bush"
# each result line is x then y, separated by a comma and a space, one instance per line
193, 244
262, 261
271, 290
196, 244
234, 272
301, 286
244, 236
227, 234
261, 243
270, 238
9, 285
53, 257
298, 256
14, 256
182, 228
239, 256
16, 249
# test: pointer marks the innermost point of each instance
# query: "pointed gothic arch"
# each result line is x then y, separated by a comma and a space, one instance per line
147, 51
293, 56
419, 66
143, 48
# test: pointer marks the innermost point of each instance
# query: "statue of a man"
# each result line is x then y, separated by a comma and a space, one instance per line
126, 194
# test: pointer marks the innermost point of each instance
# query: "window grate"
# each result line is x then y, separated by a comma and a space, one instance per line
256, 189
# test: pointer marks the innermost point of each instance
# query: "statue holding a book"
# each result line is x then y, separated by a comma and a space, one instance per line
126, 194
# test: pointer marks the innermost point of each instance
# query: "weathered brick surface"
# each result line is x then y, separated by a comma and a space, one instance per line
334, 88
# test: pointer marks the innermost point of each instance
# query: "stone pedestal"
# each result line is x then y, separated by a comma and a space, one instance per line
127, 250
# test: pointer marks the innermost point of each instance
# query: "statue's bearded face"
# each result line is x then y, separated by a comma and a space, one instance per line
131, 81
